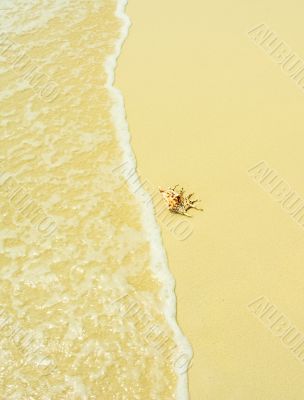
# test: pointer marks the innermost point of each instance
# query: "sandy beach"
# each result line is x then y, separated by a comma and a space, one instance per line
210, 106
206, 95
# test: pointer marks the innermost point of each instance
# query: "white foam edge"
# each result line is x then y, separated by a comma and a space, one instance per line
159, 261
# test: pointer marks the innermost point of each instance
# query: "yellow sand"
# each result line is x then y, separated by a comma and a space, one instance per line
205, 104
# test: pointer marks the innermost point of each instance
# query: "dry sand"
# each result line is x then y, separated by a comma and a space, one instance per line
205, 104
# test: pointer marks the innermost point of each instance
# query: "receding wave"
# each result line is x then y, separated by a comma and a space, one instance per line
87, 300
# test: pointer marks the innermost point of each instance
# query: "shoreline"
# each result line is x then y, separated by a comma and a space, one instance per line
159, 261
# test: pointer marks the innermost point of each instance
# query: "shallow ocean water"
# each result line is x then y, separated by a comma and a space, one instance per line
87, 302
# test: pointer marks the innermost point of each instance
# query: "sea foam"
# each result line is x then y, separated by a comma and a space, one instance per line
159, 262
